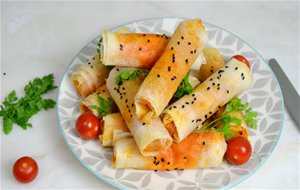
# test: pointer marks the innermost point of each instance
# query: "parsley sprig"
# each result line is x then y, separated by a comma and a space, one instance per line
227, 120
128, 75
18, 111
184, 87
104, 106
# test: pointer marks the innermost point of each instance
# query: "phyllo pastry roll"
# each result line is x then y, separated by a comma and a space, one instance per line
165, 76
123, 84
90, 76
132, 50
199, 150
214, 62
99, 103
190, 111
113, 123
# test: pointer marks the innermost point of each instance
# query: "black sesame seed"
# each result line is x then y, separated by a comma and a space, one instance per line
211, 71
205, 116
168, 163
243, 78
162, 159
121, 97
191, 52
172, 48
195, 98
226, 66
121, 47
184, 157
170, 108
213, 84
192, 102
127, 106
219, 106
218, 84
167, 169
175, 168
144, 34
186, 61
241, 132
126, 100
172, 78
169, 68
155, 170
174, 107
148, 41
89, 63
210, 79
143, 123
242, 74
93, 58
210, 112
129, 110
227, 91
118, 69
178, 42
158, 76
157, 35
155, 158
193, 95
140, 49
218, 88
154, 162
189, 43
193, 121
208, 88
182, 106
236, 68
157, 163
182, 37
203, 143
132, 104
195, 51
187, 103
92, 67
175, 77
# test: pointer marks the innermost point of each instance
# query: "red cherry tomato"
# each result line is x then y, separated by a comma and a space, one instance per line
238, 150
88, 126
242, 59
25, 169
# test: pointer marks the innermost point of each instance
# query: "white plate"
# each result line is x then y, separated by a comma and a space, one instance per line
265, 97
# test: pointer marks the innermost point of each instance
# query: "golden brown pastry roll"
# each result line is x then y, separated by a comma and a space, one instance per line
132, 49
199, 150
151, 138
112, 122
214, 62
99, 103
165, 76
190, 111
90, 76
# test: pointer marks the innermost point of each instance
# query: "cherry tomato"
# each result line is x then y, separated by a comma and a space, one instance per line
88, 126
25, 169
238, 150
242, 59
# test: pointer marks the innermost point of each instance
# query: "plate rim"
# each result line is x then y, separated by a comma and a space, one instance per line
121, 186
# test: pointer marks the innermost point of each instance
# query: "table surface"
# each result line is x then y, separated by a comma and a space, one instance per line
42, 37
